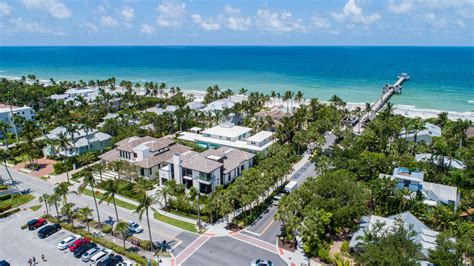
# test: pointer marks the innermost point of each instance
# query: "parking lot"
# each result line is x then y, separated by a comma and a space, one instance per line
18, 246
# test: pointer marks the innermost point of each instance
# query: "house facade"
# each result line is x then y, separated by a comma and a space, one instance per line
147, 154
83, 141
425, 135
6, 114
207, 170
433, 193
232, 136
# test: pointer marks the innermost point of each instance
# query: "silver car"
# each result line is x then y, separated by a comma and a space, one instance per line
91, 252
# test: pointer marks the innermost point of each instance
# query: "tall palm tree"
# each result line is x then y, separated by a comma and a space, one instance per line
88, 180
54, 200
4, 156
111, 188
117, 166
145, 202
100, 168
299, 97
122, 229
442, 119
243, 91
4, 130
85, 213
63, 144
71, 130
86, 159
45, 199
62, 190
68, 210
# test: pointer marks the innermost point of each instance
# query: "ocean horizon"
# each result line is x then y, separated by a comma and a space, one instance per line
442, 78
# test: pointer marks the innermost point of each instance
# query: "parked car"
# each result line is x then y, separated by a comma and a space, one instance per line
4, 263
111, 261
134, 227
82, 249
103, 254
36, 223
91, 252
48, 230
125, 263
67, 241
260, 262
78, 243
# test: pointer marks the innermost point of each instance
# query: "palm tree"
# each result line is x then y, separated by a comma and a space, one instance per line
89, 180
243, 91
299, 97
85, 213
442, 119
4, 130
117, 166
68, 210
145, 203
142, 186
165, 192
100, 168
62, 190
54, 200
63, 143
417, 126
86, 159
111, 188
122, 229
71, 130
45, 199
287, 97
4, 156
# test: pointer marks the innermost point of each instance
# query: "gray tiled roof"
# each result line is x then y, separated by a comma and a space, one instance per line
195, 161
232, 157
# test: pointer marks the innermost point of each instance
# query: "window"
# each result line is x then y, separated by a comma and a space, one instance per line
134, 155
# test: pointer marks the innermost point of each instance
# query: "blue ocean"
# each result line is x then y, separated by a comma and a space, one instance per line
441, 77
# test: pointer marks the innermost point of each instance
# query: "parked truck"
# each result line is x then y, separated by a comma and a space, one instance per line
291, 186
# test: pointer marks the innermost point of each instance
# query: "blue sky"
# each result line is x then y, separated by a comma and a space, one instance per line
245, 22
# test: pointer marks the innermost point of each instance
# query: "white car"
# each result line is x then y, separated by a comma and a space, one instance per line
64, 244
134, 227
90, 253
100, 256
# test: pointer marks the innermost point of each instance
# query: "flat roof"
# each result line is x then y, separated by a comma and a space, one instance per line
260, 136
230, 131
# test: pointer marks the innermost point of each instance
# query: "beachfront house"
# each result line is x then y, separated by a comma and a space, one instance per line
147, 154
206, 170
440, 160
232, 136
82, 141
275, 113
433, 193
218, 106
160, 111
7, 112
424, 235
88, 93
427, 134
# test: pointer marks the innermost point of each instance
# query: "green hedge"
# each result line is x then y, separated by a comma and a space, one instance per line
6, 214
5, 197
3, 187
101, 241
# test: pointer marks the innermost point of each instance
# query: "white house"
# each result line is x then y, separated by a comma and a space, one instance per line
206, 170
433, 193
147, 154
230, 135
424, 236
83, 141
71, 94
6, 114
447, 162
160, 111
425, 135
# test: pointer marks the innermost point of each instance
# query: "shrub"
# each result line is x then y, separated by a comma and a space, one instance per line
6, 208
23, 227
107, 229
6, 214
323, 254
145, 244
3, 187
5, 197
345, 246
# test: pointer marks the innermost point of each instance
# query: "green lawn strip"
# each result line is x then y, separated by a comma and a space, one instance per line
17, 200
120, 203
35, 207
178, 223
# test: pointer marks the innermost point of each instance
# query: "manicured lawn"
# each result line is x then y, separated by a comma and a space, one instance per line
120, 203
35, 207
16, 200
178, 223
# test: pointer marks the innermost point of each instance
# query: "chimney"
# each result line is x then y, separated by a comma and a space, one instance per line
177, 168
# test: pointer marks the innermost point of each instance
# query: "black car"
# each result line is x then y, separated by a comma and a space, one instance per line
48, 230
4, 263
82, 249
111, 261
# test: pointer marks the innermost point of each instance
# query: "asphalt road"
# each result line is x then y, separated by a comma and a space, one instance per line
18, 246
160, 231
229, 251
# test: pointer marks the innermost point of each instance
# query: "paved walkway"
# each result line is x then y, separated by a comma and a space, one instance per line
45, 169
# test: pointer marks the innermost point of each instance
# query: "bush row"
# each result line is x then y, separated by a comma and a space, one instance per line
6, 214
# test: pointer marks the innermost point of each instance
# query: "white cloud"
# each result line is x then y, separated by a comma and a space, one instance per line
91, 27
108, 21
23, 25
234, 19
353, 13
147, 29
401, 7
5, 8
278, 21
170, 13
55, 7
205, 24
320, 23
128, 14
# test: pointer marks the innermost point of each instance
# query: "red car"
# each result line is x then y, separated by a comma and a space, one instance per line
35, 223
78, 243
